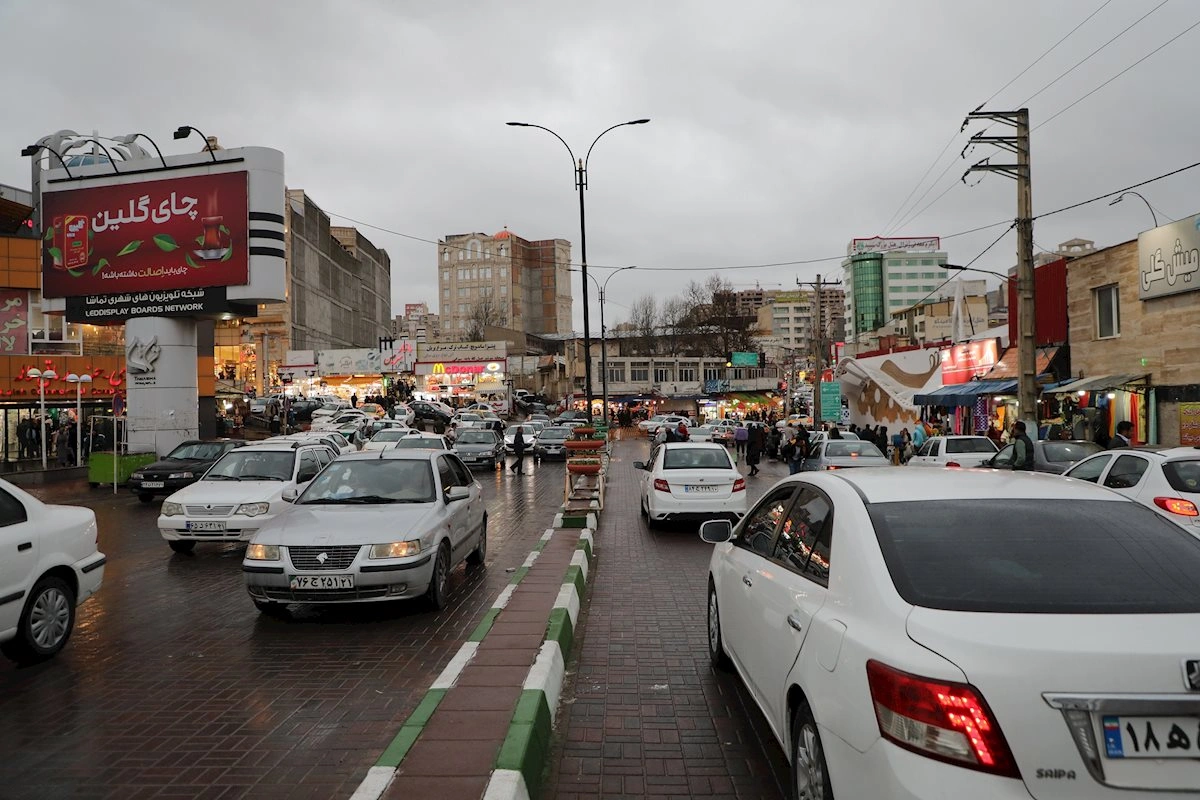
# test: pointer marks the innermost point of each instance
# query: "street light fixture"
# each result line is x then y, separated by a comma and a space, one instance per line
604, 336
79, 381
32, 150
183, 131
999, 275
42, 377
130, 138
580, 168
1138, 195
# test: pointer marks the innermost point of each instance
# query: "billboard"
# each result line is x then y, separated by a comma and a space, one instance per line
349, 362
739, 359
1168, 258
14, 322
878, 244
176, 233
106, 309
963, 362
831, 401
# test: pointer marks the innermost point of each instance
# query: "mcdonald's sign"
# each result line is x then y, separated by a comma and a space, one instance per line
439, 369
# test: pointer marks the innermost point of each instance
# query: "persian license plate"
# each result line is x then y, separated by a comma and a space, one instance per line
322, 582
1151, 737
698, 489
206, 525
152, 484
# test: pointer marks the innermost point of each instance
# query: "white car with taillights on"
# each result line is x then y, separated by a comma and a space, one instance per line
1166, 481
998, 635
389, 525
240, 493
686, 481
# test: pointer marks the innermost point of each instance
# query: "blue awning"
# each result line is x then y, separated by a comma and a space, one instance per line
964, 394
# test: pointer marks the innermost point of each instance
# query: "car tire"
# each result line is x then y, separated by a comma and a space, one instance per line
269, 609
45, 624
182, 546
146, 498
439, 580
810, 773
475, 557
716, 643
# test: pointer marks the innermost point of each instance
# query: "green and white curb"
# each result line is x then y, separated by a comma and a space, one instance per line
523, 756
585, 521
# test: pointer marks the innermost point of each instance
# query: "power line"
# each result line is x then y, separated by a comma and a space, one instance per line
1107, 195
983, 252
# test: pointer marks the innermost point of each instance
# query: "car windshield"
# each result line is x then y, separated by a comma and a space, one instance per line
253, 465
524, 429
1078, 557
975, 444
554, 433
332, 407
1184, 476
844, 449
470, 417
200, 451
476, 437
420, 443
1068, 452
374, 481
695, 458
388, 435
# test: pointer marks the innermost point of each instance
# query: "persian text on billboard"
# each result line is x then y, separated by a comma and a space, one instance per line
181, 233
1189, 424
1168, 259
878, 244
962, 362
14, 322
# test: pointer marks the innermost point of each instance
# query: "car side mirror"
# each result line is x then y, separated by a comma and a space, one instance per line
289, 495
305, 477
716, 531
456, 493
639, 465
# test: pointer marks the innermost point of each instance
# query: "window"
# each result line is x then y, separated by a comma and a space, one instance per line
446, 293
1108, 312
445, 255
485, 273
662, 374
687, 373
464, 291
309, 467
461, 472
912, 276
503, 270
1184, 476
639, 372
712, 374
976, 444
445, 274
758, 529
462, 308
487, 252
462, 274
324, 456
1089, 470
934, 275
446, 475
12, 511
504, 291
616, 373
804, 536
1126, 472
1005, 457
925, 262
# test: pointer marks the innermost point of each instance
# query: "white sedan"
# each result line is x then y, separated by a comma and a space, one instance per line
371, 527
333, 423
954, 451
386, 439
686, 481
402, 413
985, 635
652, 425
49, 564
1167, 481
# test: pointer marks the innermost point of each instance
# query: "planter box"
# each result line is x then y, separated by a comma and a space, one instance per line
100, 466
583, 469
584, 444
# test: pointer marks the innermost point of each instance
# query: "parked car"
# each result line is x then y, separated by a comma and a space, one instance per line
240, 493
387, 438
373, 410
375, 426
914, 638
722, 432
844, 454
539, 417
686, 481
466, 419
1166, 481
816, 437
333, 423
953, 451
480, 447
371, 527
428, 411
651, 426
571, 416
702, 433
304, 409
1049, 455
550, 443
49, 563
401, 412
179, 468
338, 443
328, 410
422, 441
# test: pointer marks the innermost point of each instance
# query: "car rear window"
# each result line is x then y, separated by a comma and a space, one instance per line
1068, 452
836, 449
1184, 476
1013, 556
974, 445
695, 458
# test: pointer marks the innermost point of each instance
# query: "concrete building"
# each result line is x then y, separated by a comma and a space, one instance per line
788, 319
417, 324
881, 277
933, 320
504, 280
747, 302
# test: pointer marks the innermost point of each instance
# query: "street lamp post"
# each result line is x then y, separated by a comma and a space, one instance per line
602, 287
579, 166
1138, 195
42, 377
79, 381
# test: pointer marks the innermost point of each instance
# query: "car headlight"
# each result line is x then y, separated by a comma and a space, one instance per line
394, 550
253, 509
262, 552
175, 475
171, 509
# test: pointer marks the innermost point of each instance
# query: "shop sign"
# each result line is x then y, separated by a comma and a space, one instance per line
105, 382
461, 368
104, 309
878, 244
962, 362
401, 357
1189, 424
144, 236
299, 359
743, 359
14, 322
1169, 258
349, 362
462, 351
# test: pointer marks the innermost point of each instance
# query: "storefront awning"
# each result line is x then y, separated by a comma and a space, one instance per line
747, 398
1097, 384
1007, 367
964, 394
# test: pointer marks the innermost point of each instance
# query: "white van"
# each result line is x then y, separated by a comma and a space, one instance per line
497, 400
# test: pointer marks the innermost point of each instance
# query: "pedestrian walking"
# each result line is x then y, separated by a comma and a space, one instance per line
741, 435
518, 465
754, 447
1124, 437
1022, 448
354, 399
62, 446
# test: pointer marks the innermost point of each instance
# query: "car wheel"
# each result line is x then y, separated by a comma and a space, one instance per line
716, 647
277, 610
146, 498
476, 556
46, 622
180, 546
435, 595
810, 773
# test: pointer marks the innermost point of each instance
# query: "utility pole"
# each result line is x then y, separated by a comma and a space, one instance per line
1017, 143
818, 344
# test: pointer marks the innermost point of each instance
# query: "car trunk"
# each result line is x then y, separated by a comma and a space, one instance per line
709, 484
1108, 675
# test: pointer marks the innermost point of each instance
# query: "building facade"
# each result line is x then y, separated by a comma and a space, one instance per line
504, 280
789, 319
933, 320
878, 282
417, 323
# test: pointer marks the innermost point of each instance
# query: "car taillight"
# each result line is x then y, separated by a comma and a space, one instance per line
831, 466
739, 485
939, 719
1184, 508
661, 485
953, 464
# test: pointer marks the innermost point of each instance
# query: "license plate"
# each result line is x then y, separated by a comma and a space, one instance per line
699, 489
206, 525
152, 484
322, 582
1151, 737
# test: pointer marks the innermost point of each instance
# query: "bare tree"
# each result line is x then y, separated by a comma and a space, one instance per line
674, 318
643, 316
484, 314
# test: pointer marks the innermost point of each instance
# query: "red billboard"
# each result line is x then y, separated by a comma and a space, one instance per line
962, 362
179, 233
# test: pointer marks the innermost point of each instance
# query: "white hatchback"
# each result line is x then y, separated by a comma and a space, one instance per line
386, 438
985, 635
49, 564
690, 481
1167, 481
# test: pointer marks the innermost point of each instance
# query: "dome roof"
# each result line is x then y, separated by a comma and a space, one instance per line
504, 234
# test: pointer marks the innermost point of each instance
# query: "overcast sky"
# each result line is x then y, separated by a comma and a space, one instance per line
780, 130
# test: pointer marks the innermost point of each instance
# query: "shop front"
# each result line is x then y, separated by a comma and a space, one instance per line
1090, 408
460, 382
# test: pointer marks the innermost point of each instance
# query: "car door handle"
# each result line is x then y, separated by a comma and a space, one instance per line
794, 622
23, 546
746, 580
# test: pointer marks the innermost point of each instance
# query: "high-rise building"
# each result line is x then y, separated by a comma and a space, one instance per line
749, 301
883, 276
504, 281
417, 324
789, 319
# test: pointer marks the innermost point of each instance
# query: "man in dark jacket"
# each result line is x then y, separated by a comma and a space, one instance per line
1022, 448
1124, 437
519, 452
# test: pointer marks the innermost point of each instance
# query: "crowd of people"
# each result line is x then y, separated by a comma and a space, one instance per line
60, 436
